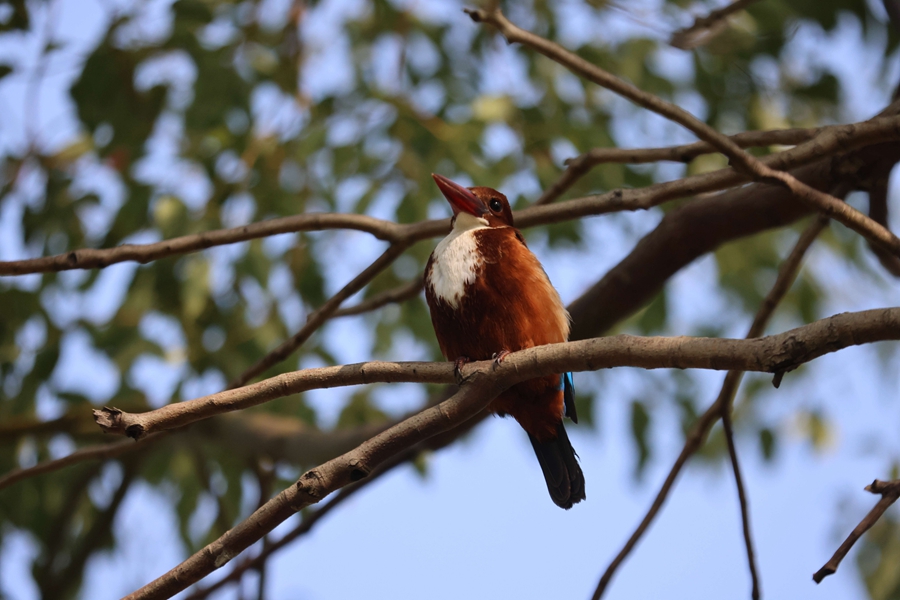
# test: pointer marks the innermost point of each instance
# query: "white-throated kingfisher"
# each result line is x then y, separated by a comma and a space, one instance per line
489, 296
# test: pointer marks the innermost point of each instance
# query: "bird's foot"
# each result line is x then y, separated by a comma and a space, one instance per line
458, 364
499, 356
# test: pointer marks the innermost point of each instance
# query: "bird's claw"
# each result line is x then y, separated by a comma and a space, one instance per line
499, 356
458, 364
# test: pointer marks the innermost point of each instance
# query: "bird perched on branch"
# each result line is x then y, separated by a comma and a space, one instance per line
489, 296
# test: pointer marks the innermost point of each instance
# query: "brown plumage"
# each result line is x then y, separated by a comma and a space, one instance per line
488, 294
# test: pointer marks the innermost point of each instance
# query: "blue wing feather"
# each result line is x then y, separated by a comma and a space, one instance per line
569, 396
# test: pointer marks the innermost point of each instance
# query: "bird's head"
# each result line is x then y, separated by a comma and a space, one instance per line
482, 203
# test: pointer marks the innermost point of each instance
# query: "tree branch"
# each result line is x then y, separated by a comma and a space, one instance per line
394, 296
828, 141
706, 28
579, 166
741, 160
698, 227
483, 382
305, 526
725, 415
98, 452
89, 258
434, 443
59, 584
695, 438
316, 319
878, 210
773, 354
317, 483
890, 491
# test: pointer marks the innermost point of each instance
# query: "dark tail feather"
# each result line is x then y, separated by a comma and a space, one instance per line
565, 481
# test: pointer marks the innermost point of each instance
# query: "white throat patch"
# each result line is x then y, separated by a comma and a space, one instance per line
456, 259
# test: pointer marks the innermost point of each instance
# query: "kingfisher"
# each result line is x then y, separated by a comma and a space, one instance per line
489, 296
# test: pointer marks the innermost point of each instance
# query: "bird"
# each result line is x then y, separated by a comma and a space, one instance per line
488, 296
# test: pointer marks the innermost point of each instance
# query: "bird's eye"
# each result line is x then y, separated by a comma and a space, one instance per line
495, 205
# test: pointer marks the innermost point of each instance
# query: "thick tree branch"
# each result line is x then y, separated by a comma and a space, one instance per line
434, 443
878, 210
698, 227
305, 526
706, 28
890, 491
317, 483
741, 160
773, 354
695, 438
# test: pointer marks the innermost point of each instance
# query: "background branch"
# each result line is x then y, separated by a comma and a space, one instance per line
706, 28
698, 433
316, 319
741, 160
579, 166
827, 141
88, 258
98, 452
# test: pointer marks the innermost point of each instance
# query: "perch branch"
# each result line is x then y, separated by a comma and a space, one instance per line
772, 354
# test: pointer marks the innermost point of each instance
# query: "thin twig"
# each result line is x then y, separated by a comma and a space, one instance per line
739, 159
695, 438
878, 210
577, 167
393, 296
98, 452
316, 319
706, 28
890, 491
59, 582
725, 414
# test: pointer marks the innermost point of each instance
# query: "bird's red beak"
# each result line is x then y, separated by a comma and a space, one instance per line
460, 198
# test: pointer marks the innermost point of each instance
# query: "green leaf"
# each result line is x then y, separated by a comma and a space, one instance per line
640, 427
767, 443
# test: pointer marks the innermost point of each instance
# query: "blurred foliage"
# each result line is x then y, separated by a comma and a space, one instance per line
235, 112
